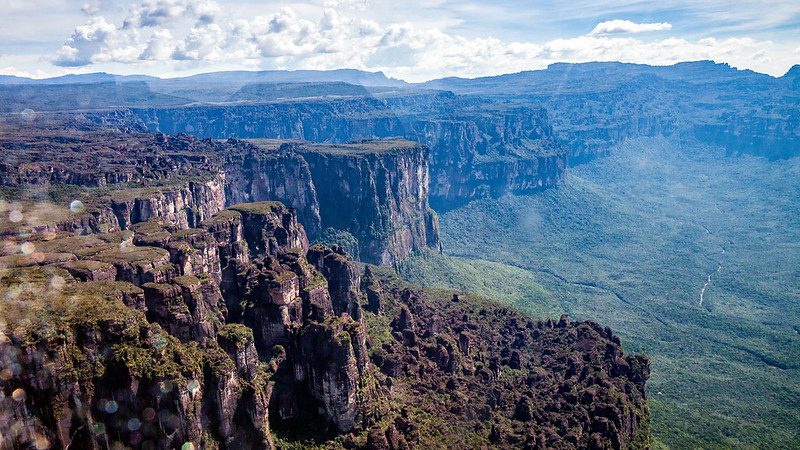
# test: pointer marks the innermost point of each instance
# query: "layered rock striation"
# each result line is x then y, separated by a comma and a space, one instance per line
163, 351
375, 191
478, 149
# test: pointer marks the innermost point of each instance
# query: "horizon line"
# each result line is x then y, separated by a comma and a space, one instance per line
381, 72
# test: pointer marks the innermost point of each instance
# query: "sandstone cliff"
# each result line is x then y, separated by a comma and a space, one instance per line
145, 315
376, 191
153, 354
477, 149
594, 106
237, 334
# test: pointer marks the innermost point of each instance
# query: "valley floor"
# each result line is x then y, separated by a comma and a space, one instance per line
691, 256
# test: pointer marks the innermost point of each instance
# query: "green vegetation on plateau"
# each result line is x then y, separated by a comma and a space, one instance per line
630, 241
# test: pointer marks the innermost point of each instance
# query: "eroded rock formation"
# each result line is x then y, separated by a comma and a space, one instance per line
478, 148
165, 353
147, 316
376, 191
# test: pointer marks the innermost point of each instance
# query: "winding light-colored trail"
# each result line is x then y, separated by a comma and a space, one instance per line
708, 283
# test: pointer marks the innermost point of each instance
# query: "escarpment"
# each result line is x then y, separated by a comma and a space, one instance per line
238, 334
477, 149
185, 181
162, 352
162, 296
595, 106
370, 188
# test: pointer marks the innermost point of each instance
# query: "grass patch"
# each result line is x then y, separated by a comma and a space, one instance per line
629, 241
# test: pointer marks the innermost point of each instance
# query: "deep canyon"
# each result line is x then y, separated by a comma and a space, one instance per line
215, 260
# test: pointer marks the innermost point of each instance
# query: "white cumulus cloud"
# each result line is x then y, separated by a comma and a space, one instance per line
86, 42
151, 13
179, 34
204, 42
619, 26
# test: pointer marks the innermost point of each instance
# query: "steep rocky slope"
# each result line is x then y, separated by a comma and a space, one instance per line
238, 334
478, 149
133, 177
594, 106
369, 189
147, 301
137, 336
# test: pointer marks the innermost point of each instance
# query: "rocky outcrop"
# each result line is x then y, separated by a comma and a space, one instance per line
225, 335
377, 191
493, 378
168, 358
387, 220
272, 173
105, 376
185, 205
334, 361
344, 278
478, 149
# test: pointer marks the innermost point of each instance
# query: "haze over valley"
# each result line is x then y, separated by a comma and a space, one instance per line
594, 243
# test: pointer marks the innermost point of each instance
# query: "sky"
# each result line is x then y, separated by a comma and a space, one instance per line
413, 40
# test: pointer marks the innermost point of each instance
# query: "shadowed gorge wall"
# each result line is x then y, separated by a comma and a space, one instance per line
477, 149
237, 334
375, 190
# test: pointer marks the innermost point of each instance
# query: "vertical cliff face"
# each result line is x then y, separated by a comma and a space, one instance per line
344, 278
476, 150
164, 352
481, 153
269, 172
186, 204
334, 360
377, 191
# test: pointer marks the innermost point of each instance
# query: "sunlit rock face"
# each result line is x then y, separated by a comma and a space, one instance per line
375, 191
477, 148
168, 354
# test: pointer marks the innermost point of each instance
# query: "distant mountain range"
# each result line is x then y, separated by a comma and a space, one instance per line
699, 69
352, 76
590, 105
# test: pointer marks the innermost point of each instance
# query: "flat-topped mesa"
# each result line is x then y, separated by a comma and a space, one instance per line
488, 151
375, 193
478, 149
378, 192
118, 179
